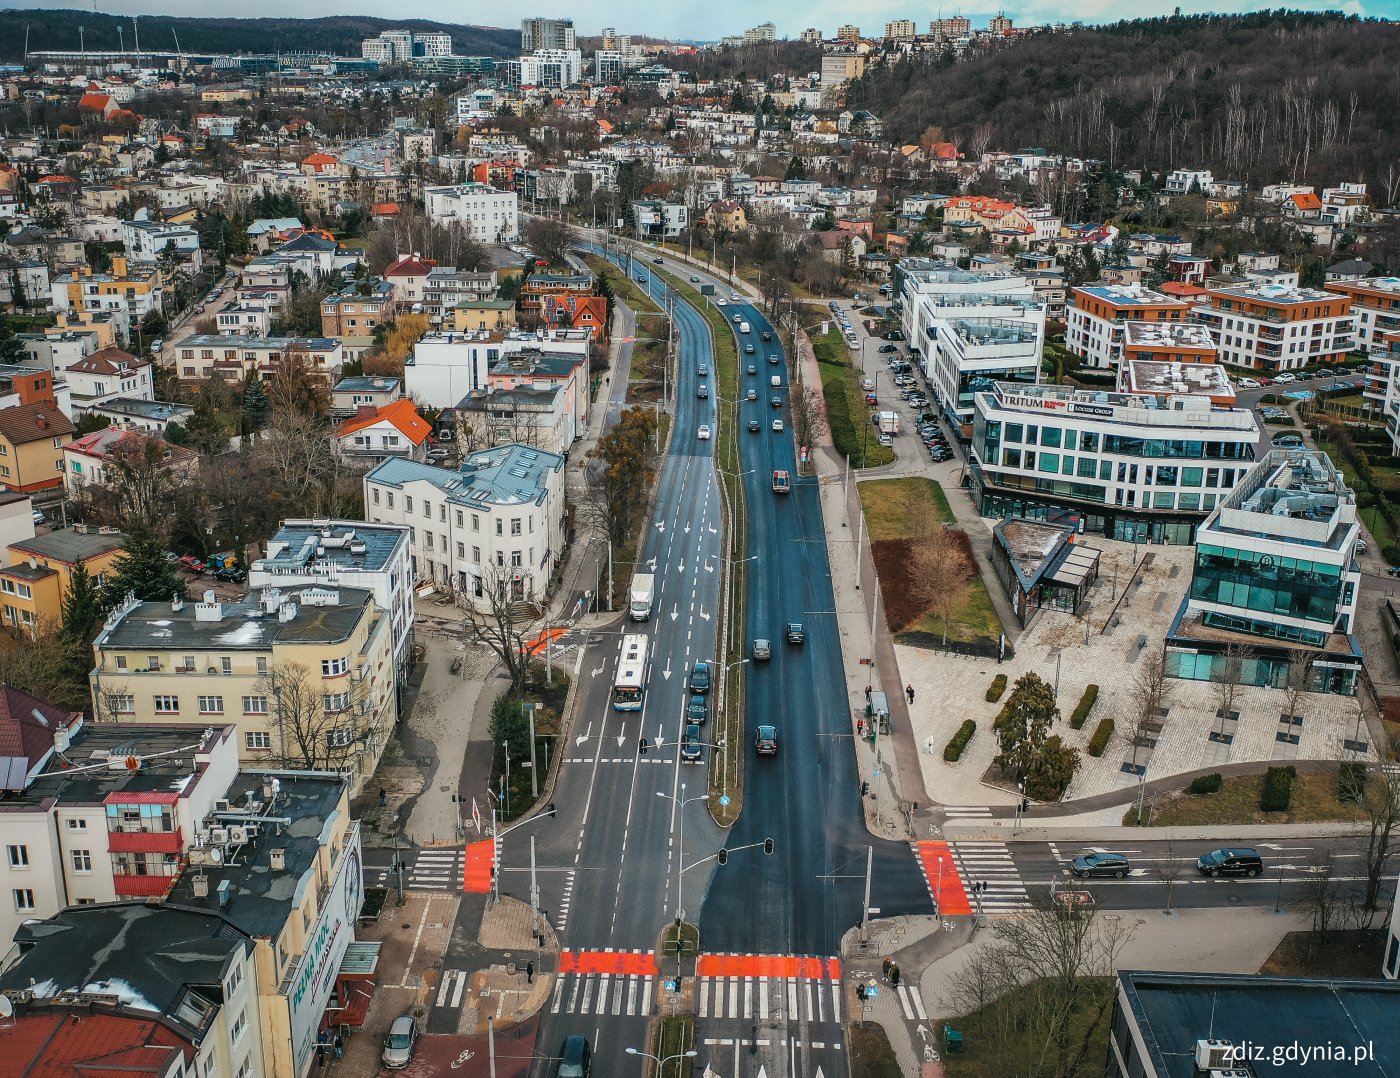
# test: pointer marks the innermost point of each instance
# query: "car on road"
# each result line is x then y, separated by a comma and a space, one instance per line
762, 649
795, 632
1231, 861
700, 676
867, 384
889, 347
738, 318
690, 747
754, 426
157, 344
765, 740
719, 301
1247, 383
657, 261
1101, 864
735, 297
748, 349
751, 395
641, 278
776, 402
575, 1058
694, 279
777, 426
753, 368
704, 432
703, 392
773, 360
696, 710
765, 336
703, 370
398, 1045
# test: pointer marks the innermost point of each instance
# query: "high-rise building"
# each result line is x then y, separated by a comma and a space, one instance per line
848, 33
956, 26
554, 68
900, 30
811, 36
401, 46
760, 34
540, 33
1000, 24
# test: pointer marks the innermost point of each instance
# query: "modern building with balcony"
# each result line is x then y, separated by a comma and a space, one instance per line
1138, 467
1274, 328
1096, 324
1275, 581
969, 331
1375, 309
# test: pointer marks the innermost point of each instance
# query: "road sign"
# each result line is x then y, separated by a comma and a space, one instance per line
724, 800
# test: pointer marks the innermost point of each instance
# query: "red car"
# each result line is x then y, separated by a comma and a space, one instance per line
192, 563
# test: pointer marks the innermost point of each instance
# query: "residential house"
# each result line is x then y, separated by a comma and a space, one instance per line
137, 414
32, 437
447, 286
375, 390
41, 568
375, 434
1276, 329
408, 276
483, 315
727, 214
90, 459
109, 373
1184, 181
233, 357
146, 241
655, 219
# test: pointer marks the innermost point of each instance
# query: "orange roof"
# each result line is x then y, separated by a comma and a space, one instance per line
402, 414
1306, 202
412, 266
57, 178
1185, 291
320, 159
384, 209
605, 126
98, 102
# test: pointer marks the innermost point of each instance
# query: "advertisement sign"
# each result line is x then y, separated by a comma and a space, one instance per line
313, 979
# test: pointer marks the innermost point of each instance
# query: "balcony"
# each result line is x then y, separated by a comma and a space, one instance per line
143, 886
145, 841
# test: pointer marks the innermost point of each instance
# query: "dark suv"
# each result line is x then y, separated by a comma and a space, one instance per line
1101, 864
1231, 862
696, 711
700, 677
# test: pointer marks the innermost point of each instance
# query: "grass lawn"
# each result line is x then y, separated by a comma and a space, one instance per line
995, 1045
871, 1054
891, 506
847, 413
1237, 802
674, 1036
1339, 954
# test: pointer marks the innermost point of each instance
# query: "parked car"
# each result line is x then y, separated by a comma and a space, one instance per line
1285, 379
886, 440
192, 563
157, 344
1101, 864
38, 516
1231, 861
1247, 383
437, 454
889, 348
690, 747
1361, 546
696, 710
700, 677
230, 574
398, 1045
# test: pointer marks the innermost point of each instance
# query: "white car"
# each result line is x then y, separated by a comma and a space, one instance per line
1247, 383
704, 432
777, 426
719, 302
1285, 378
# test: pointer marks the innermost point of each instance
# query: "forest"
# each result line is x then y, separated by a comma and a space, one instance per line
1272, 96
338, 34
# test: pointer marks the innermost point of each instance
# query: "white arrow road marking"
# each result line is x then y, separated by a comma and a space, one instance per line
681, 565
708, 567
651, 564
660, 526
922, 1032
687, 527
620, 739
583, 736
667, 672
595, 673
711, 529
703, 614
675, 611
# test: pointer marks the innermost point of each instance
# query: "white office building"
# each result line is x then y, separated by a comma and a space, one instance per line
490, 215
1137, 467
497, 521
552, 68
970, 330
445, 367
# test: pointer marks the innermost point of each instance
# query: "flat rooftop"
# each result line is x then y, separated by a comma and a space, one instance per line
307, 545
1175, 1010
1196, 379
1180, 335
71, 545
1276, 293
259, 897
1130, 295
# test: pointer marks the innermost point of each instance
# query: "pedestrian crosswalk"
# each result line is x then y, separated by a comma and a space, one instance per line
602, 993
436, 870
911, 1003
990, 863
451, 989
967, 812
778, 999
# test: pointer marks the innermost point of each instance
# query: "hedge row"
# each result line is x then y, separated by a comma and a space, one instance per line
1085, 705
1277, 794
1206, 784
954, 749
997, 687
1102, 732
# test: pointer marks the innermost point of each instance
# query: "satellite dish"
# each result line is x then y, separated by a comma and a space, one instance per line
7, 1009
215, 854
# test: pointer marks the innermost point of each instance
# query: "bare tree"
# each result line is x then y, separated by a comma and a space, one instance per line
1380, 801
497, 616
1169, 868
310, 729
808, 415
1296, 682
111, 700
1151, 688
1229, 683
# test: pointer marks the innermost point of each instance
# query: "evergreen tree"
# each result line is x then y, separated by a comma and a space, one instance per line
254, 403
141, 568
203, 431
795, 170
82, 607
1092, 269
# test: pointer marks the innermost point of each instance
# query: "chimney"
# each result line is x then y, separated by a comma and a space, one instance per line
278, 859
366, 411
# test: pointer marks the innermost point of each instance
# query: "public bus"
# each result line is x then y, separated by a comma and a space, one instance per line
633, 669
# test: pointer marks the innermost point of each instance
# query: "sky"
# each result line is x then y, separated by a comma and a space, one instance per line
714, 18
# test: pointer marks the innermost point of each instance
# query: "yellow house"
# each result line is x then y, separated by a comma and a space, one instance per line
305, 673
32, 586
490, 314
32, 437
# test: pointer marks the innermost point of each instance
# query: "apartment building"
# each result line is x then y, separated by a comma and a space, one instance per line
1137, 467
32, 437
554, 69
41, 569
1275, 571
491, 216
654, 219
146, 241
1273, 328
493, 526
900, 30
543, 33
374, 557
447, 286
304, 672
1182, 181
1167, 342
233, 357
1375, 308
354, 311
1097, 313
129, 287
445, 367
970, 330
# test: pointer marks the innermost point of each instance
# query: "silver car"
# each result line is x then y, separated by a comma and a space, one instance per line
762, 649
398, 1045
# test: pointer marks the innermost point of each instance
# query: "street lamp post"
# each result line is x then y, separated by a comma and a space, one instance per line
660, 1062
681, 802
723, 708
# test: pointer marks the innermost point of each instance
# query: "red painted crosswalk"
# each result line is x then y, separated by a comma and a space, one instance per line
618, 962
768, 965
945, 885
476, 879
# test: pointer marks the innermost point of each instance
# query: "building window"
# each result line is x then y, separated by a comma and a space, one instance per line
211, 705
476, 523
461, 551
262, 664
167, 705
335, 701
255, 705
226, 664
407, 504
340, 737
239, 1027
24, 899
122, 704
334, 667
374, 494
18, 855
257, 740
235, 980
77, 825
121, 662
82, 860
515, 526
500, 527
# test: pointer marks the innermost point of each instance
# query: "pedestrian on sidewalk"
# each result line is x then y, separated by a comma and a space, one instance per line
894, 976
886, 965
860, 727
339, 1046
909, 692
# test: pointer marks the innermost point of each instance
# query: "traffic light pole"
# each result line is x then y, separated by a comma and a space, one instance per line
865, 906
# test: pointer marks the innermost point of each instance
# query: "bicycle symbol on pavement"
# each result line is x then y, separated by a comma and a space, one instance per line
462, 1059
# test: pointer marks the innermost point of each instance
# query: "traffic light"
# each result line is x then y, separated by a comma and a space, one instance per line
864, 788
1025, 804
722, 856
768, 847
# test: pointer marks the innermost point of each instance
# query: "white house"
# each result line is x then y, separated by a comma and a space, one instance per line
146, 240
490, 215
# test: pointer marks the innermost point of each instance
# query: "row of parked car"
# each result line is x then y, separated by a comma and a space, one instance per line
1288, 378
223, 567
1229, 861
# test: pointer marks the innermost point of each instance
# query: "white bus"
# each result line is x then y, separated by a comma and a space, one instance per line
633, 669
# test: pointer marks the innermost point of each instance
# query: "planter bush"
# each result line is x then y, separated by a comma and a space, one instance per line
1206, 784
997, 687
954, 749
1277, 794
1102, 732
1086, 704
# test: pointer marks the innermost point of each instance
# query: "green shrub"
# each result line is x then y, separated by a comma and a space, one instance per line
1206, 784
1085, 705
1001, 717
997, 687
1351, 780
1277, 794
1102, 732
954, 749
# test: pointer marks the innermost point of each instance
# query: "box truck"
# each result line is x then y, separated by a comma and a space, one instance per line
643, 591
888, 422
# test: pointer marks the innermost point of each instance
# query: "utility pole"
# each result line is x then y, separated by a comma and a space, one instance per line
865, 906
534, 772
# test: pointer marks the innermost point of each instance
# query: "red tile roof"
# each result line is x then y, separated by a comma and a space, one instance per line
62, 1044
1306, 202
25, 423
23, 736
412, 266
95, 102
402, 414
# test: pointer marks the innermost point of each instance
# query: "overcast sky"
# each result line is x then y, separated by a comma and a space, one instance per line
714, 18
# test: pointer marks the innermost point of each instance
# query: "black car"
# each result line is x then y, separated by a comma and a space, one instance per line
888, 347
766, 336
776, 402
231, 574
1235, 861
700, 677
575, 1059
696, 710
795, 634
753, 426
1101, 864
